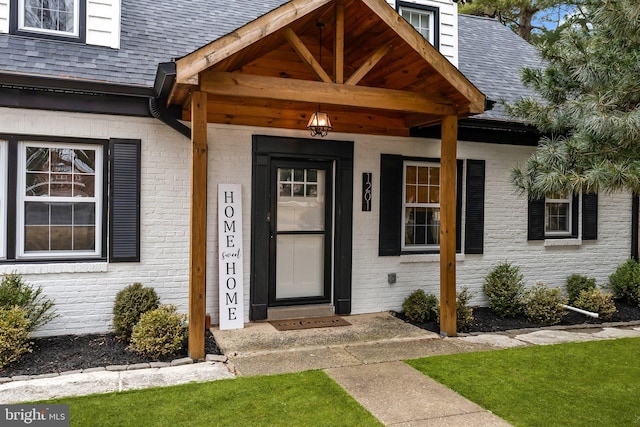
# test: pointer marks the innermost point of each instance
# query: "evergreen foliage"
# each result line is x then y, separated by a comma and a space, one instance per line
15, 292
131, 302
420, 307
588, 106
504, 286
159, 333
577, 283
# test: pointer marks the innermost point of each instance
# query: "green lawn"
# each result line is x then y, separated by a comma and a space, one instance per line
303, 399
580, 384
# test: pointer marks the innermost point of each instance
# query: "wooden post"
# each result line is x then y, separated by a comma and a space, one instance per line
448, 226
198, 225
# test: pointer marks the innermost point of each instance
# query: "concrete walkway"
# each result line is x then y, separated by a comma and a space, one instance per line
364, 358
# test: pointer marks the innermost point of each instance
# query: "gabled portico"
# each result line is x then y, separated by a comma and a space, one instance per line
372, 73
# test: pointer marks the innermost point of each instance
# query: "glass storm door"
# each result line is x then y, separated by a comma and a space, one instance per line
300, 236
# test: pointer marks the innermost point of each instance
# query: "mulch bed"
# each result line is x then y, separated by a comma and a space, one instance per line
486, 320
72, 352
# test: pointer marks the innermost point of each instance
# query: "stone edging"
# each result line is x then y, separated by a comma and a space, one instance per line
118, 368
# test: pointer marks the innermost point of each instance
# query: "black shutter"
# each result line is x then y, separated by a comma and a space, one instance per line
459, 175
574, 216
390, 205
124, 200
474, 208
536, 220
589, 216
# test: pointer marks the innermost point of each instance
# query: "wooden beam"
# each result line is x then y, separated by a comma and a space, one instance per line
188, 67
429, 53
249, 86
448, 226
305, 55
368, 64
338, 50
198, 225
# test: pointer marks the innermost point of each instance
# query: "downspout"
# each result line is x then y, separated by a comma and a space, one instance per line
165, 76
157, 110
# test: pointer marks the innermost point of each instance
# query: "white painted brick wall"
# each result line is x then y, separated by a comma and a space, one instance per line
84, 292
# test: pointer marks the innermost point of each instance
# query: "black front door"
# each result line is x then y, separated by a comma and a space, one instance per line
301, 217
301, 223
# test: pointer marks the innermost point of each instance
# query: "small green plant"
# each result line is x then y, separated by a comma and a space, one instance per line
420, 307
131, 302
159, 333
464, 313
577, 283
14, 334
596, 301
543, 305
625, 282
14, 292
505, 288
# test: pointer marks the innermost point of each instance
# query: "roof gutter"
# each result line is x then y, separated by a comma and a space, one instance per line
165, 76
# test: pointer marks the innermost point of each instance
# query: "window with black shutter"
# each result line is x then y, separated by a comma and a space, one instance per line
409, 206
555, 217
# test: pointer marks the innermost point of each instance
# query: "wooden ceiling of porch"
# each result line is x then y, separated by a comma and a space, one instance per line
375, 74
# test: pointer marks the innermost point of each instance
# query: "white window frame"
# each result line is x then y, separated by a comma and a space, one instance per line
565, 200
404, 246
76, 22
431, 35
23, 198
3, 198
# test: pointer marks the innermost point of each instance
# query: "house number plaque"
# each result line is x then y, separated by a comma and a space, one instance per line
367, 186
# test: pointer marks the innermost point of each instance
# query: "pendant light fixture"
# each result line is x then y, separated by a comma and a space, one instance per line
319, 123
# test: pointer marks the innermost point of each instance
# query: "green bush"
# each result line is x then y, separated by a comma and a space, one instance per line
14, 334
464, 313
420, 307
14, 292
577, 283
159, 333
504, 288
131, 302
596, 301
625, 282
543, 305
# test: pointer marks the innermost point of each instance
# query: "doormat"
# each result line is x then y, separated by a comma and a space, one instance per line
309, 323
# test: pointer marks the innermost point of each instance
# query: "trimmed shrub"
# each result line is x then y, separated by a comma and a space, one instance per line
577, 283
14, 292
625, 282
543, 305
420, 307
464, 313
505, 288
596, 301
131, 302
159, 333
14, 334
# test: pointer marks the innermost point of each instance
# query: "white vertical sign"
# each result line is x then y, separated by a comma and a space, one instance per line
230, 256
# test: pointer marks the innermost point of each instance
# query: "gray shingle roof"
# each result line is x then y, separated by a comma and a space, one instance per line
492, 57
155, 31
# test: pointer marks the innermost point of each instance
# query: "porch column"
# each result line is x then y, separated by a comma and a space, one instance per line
198, 225
448, 226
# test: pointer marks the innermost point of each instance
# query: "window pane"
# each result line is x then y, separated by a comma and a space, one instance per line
61, 238
434, 176
36, 238
557, 217
84, 238
37, 159
55, 15
61, 214
37, 184
411, 174
410, 196
434, 194
36, 213
285, 174
84, 185
423, 193
312, 175
298, 175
